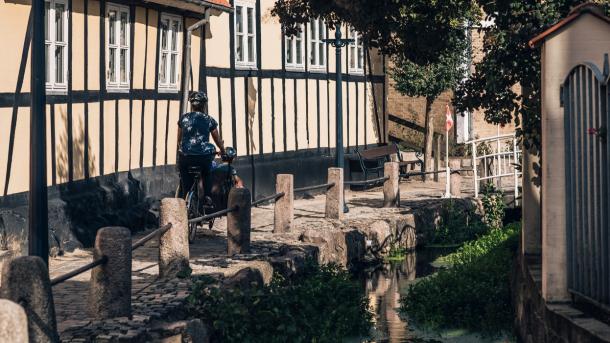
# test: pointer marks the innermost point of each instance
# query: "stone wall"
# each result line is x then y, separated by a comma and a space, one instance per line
539, 322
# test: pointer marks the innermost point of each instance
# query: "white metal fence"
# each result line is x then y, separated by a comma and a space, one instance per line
495, 159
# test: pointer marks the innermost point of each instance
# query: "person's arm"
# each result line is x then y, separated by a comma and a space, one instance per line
218, 141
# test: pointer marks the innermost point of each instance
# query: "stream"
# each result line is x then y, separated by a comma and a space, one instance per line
384, 287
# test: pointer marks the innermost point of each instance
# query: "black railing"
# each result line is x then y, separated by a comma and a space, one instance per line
102, 260
313, 188
158, 232
79, 270
366, 182
268, 198
213, 215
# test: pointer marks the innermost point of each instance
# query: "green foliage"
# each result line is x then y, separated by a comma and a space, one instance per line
320, 305
506, 82
457, 224
493, 206
473, 293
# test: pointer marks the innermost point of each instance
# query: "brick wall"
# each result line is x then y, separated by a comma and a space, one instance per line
413, 109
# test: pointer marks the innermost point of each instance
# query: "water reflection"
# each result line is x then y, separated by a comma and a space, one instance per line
384, 286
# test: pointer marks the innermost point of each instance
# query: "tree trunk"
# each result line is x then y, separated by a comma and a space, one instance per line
428, 136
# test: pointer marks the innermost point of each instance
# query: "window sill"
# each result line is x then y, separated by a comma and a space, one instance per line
50, 91
244, 66
118, 90
295, 68
320, 69
168, 90
356, 71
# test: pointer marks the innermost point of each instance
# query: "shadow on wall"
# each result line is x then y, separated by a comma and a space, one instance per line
85, 206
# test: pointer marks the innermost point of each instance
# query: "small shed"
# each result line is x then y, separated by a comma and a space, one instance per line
583, 37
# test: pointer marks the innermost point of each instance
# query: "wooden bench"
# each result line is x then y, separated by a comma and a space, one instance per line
371, 160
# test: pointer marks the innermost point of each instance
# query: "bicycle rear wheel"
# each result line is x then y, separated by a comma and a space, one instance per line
192, 206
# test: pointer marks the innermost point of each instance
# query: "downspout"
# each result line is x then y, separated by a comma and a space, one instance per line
186, 79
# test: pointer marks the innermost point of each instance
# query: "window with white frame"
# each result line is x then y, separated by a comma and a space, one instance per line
117, 47
317, 47
56, 45
245, 33
356, 52
295, 50
169, 54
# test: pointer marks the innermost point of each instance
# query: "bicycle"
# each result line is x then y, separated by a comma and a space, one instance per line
214, 202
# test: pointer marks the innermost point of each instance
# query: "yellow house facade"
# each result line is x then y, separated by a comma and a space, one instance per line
115, 72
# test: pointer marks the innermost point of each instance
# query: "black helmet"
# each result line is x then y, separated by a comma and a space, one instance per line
197, 98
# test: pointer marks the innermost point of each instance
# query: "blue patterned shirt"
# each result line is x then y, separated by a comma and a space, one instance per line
196, 128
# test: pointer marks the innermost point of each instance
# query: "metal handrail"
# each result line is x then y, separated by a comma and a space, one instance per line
365, 182
508, 135
79, 270
158, 232
267, 198
311, 188
213, 215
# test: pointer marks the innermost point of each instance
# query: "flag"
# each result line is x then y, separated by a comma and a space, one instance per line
449, 119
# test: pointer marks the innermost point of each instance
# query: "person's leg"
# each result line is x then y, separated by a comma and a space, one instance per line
186, 179
204, 163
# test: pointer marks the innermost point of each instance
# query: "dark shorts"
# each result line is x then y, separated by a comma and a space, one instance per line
202, 162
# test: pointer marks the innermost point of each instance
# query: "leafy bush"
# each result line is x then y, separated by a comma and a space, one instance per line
493, 205
473, 293
321, 305
457, 225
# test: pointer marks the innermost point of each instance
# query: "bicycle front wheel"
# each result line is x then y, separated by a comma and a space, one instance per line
192, 206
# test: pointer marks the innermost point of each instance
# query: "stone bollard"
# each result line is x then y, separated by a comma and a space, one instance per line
110, 287
334, 195
25, 280
391, 189
174, 243
456, 178
238, 222
13, 322
284, 206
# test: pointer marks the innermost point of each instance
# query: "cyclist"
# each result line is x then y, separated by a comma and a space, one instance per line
195, 149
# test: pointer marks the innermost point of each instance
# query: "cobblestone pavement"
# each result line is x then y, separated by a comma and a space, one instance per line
155, 299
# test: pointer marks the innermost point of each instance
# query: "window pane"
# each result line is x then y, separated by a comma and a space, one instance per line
112, 65
251, 49
112, 27
162, 72
59, 23
360, 57
239, 49
312, 54
321, 30
299, 52
288, 50
123, 65
46, 63
352, 56
312, 29
239, 21
47, 9
321, 54
59, 64
172, 69
164, 28
123, 28
250, 20
175, 30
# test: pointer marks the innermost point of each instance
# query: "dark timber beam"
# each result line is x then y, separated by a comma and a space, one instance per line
38, 242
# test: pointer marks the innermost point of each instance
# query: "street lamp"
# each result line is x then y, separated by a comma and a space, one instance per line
339, 43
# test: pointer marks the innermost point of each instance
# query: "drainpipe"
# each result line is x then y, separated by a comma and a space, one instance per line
186, 75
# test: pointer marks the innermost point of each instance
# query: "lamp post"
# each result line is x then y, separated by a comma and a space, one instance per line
38, 228
338, 43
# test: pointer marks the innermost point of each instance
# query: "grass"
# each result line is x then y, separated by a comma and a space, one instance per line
473, 292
